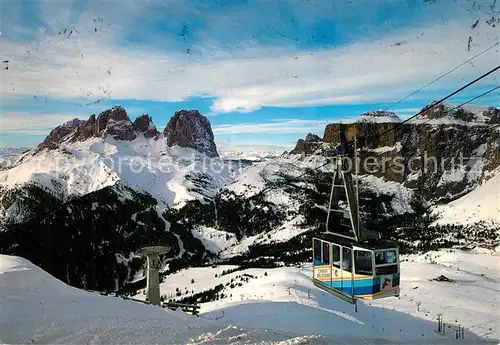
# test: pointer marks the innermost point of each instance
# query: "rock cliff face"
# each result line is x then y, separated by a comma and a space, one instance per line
144, 124
311, 143
55, 136
188, 128
114, 122
372, 125
457, 148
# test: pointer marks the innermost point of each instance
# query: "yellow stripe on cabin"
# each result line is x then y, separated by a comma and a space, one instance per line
378, 293
343, 278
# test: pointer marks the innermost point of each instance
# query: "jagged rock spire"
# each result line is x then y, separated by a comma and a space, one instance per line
188, 128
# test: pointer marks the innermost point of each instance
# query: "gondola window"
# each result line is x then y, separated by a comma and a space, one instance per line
326, 253
317, 250
346, 259
385, 257
336, 256
363, 262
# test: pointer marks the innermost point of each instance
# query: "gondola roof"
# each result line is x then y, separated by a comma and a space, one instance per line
368, 244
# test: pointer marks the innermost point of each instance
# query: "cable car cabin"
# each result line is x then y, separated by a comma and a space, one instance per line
351, 270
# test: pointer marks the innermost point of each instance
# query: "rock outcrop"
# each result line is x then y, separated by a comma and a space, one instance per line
459, 145
144, 124
188, 128
113, 122
311, 143
57, 135
493, 116
116, 123
375, 125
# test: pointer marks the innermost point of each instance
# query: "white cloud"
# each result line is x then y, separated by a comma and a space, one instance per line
248, 78
31, 124
276, 127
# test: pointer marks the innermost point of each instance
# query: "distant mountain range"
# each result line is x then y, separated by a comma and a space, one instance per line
249, 155
12, 150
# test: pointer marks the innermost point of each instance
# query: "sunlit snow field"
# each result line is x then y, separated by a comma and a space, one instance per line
277, 306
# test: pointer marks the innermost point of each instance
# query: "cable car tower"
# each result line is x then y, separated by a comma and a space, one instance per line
350, 261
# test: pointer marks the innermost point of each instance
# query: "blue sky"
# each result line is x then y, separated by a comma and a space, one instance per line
265, 73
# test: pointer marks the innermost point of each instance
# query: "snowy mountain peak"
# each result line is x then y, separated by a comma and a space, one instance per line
188, 128
12, 150
310, 137
60, 133
72, 123
465, 113
115, 122
308, 145
249, 155
144, 124
379, 116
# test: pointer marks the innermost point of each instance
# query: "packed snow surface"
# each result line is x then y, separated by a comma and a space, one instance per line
215, 240
275, 306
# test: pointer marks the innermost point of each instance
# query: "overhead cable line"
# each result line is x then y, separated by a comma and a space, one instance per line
456, 107
295, 179
441, 100
427, 108
470, 100
442, 76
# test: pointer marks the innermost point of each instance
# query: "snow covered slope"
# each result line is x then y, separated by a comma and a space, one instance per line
9, 155
38, 309
146, 165
259, 178
482, 204
64, 173
286, 300
275, 306
378, 116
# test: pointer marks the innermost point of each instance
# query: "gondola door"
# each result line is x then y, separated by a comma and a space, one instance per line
327, 255
346, 282
336, 266
322, 262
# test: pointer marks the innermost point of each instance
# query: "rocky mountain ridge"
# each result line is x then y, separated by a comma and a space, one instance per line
187, 128
460, 145
309, 145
